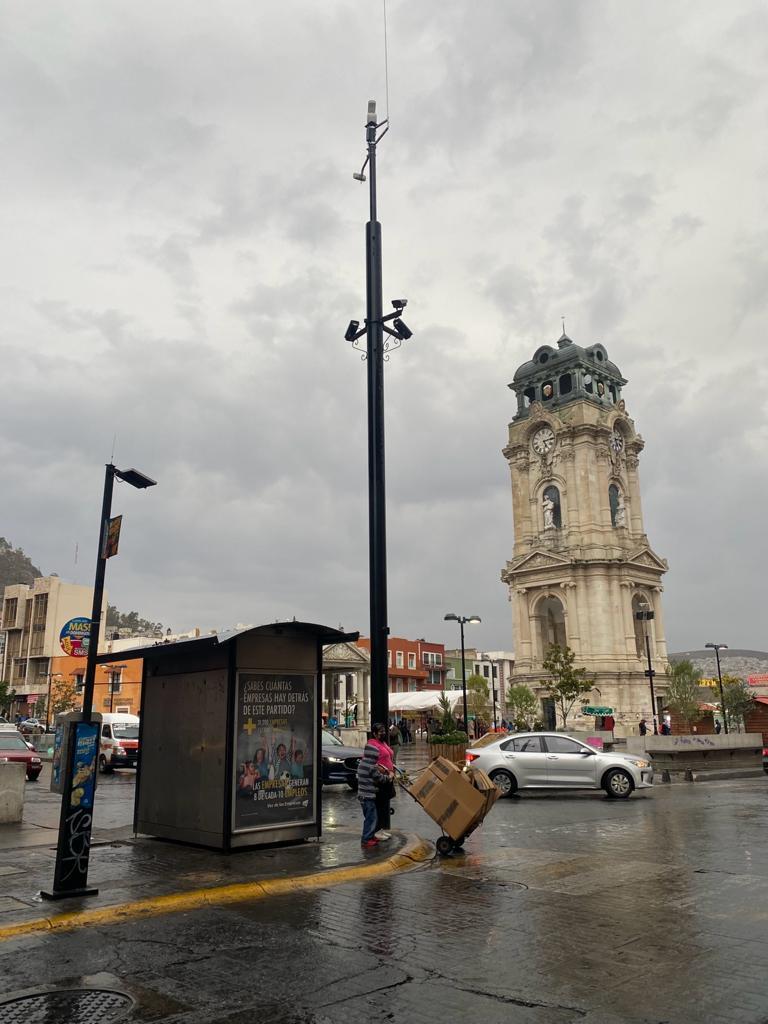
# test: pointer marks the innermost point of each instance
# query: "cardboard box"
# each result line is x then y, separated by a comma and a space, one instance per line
484, 785
455, 805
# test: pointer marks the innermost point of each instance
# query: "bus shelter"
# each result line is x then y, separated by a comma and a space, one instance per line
229, 741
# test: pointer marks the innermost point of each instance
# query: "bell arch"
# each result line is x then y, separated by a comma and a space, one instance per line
549, 619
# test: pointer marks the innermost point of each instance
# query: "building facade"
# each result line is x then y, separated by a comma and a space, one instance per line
582, 566
413, 665
46, 628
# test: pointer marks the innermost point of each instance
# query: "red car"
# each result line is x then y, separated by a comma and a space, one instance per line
13, 748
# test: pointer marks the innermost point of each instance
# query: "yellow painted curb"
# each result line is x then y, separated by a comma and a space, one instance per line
416, 851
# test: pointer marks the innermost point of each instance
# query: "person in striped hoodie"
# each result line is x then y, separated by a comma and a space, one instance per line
376, 768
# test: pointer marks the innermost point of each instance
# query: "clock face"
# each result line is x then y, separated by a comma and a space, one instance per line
617, 441
543, 441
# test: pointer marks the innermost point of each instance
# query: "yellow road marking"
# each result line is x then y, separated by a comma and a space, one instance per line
415, 852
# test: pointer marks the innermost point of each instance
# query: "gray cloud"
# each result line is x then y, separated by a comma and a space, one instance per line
183, 248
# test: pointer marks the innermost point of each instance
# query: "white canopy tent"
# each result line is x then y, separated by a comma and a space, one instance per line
426, 700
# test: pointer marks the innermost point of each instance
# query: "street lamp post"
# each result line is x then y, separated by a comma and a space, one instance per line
717, 648
70, 876
51, 677
375, 352
111, 670
461, 619
645, 615
484, 657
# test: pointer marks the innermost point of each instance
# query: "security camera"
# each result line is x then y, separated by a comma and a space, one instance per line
352, 330
402, 331
399, 303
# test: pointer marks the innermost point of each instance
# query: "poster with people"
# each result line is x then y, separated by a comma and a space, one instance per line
274, 760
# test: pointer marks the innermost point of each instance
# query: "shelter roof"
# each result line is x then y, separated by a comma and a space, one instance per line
163, 649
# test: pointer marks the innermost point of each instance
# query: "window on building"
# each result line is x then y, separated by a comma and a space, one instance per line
115, 681
399, 659
588, 386
389, 658
487, 670
411, 660
10, 609
79, 682
547, 390
438, 659
565, 384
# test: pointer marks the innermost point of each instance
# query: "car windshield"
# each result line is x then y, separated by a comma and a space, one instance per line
10, 742
124, 731
329, 740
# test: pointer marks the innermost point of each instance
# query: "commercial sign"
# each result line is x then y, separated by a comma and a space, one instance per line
587, 709
275, 763
112, 539
761, 680
74, 637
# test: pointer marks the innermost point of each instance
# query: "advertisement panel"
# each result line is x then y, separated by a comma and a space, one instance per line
74, 637
275, 762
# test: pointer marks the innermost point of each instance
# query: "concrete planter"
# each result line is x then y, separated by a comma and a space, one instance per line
12, 779
452, 751
701, 754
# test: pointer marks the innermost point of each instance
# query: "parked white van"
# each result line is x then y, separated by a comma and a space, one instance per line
119, 746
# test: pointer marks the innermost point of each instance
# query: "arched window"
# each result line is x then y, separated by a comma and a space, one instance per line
529, 395
588, 383
550, 504
565, 384
547, 390
618, 511
550, 619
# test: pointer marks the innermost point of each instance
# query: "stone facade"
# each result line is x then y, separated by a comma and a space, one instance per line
582, 565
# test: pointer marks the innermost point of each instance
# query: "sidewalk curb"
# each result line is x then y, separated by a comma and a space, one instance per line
416, 851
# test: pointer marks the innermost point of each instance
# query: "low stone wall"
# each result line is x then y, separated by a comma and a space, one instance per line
701, 754
12, 779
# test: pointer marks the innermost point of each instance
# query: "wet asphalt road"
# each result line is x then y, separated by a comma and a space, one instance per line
565, 908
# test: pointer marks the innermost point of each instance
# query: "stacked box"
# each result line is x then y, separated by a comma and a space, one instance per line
451, 798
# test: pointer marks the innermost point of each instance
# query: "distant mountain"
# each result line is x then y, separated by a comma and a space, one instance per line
15, 567
733, 661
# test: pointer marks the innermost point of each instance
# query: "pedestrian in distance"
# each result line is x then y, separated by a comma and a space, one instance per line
395, 739
642, 727
718, 727
375, 773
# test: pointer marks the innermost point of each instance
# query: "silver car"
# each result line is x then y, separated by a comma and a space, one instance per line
530, 760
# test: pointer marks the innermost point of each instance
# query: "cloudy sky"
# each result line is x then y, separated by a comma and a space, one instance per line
183, 247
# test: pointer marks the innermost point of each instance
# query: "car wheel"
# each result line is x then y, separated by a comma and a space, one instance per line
505, 781
104, 768
618, 784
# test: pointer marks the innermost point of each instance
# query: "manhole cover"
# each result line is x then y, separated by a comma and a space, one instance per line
75, 1006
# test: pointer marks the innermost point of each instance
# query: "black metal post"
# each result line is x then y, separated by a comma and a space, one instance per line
377, 528
98, 595
650, 673
722, 697
464, 676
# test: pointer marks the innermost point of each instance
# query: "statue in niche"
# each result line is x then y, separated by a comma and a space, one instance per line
549, 512
621, 513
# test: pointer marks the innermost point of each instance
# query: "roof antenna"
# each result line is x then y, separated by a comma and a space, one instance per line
114, 442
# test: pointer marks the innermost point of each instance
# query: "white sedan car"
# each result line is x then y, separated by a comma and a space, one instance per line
531, 760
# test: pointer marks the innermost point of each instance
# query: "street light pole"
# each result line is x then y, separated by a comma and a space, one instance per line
717, 648
51, 677
645, 615
461, 619
375, 353
82, 741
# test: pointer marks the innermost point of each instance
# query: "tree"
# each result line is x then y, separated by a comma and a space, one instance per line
566, 683
477, 695
447, 721
63, 697
683, 690
737, 698
521, 706
132, 623
7, 693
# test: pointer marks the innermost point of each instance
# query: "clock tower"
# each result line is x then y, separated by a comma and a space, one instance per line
582, 567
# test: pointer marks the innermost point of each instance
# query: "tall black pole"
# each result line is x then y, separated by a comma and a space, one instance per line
464, 677
98, 594
722, 698
650, 679
377, 524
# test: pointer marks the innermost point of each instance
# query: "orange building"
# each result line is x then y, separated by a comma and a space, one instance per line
413, 665
117, 686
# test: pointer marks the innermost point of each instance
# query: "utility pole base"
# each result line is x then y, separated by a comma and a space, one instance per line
65, 894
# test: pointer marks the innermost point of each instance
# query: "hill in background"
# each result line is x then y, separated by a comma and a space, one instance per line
15, 566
